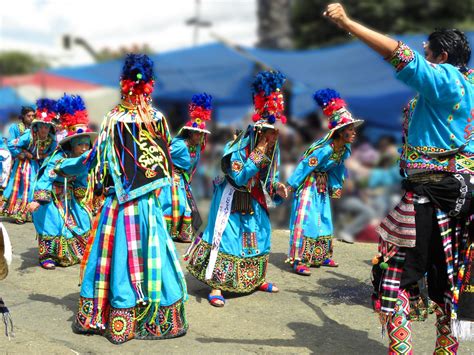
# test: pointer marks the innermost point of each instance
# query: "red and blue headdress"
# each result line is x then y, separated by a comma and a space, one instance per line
268, 99
200, 110
74, 118
46, 111
137, 77
335, 109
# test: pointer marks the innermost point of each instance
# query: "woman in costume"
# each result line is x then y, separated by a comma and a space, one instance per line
318, 177
232, 254
29, 151
132, 284
429, 234
27, 116
180, 209
61, 218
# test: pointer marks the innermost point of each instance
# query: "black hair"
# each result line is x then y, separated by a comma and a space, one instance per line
25, 110
453, 42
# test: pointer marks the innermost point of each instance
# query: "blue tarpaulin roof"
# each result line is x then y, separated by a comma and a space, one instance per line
364, 79
10, 103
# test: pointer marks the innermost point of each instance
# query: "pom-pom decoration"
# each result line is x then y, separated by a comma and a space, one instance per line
137, 76
267, 97
335, 108
46, 110
72, 111
200, 110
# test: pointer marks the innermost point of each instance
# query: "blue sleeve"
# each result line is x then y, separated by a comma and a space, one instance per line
180, 154
436, 82
73, 166
308, 164
18, 144
336, 177
44, 184
242, 169
13, 132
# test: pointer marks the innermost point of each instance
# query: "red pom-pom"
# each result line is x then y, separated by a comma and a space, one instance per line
333, 106
256, 117
202, 126
283, 119
199, 112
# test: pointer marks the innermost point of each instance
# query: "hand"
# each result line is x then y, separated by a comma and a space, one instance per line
21, 156
289, 189
33, 206
336, 13
281, 190
28, 155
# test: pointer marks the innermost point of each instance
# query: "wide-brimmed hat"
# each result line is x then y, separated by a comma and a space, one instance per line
74, 118
46, 112
5, 252
335, 109
200, 110
268, 99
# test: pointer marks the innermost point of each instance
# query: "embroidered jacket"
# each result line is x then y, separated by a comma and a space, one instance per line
439, 122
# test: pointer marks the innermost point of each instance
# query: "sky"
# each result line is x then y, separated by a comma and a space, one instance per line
38, 25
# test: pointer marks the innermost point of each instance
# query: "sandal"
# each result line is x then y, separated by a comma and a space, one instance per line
268, 287
329, 263
301, 269
213, 300
48, 264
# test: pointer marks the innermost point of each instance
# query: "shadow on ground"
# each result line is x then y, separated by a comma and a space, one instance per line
329, 338
69, 302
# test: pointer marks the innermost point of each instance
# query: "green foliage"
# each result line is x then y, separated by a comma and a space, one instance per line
311, 29
16, 62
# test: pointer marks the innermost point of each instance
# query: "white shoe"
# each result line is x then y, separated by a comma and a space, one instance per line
346, 237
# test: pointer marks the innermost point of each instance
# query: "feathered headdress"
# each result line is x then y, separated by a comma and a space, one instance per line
74, 118
268, 99
137, 77
335, 109
46, 111
200, 110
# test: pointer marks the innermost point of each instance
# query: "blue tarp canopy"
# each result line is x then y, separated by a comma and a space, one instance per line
10, 103
364, 79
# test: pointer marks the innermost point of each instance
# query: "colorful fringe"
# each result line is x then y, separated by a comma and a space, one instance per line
15, 206
304, 205
231, 273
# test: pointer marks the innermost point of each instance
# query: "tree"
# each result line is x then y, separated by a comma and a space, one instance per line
16, 62
311, 29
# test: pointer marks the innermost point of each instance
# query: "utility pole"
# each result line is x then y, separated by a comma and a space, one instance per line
197, 22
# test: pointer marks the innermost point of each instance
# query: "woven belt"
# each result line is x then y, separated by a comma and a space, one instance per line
427, 177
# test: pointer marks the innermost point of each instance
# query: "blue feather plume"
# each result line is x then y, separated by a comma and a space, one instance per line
48, 104
324, 96
70, 104
268, 81
138, 64
203, 100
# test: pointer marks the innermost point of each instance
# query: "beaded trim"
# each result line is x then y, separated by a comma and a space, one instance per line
401, 56
42, 195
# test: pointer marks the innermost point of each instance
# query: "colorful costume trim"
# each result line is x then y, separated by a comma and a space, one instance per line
123, 324
401, 56
63, 251
231, 273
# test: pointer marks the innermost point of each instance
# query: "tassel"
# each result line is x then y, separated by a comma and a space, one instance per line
8, 321
462, 330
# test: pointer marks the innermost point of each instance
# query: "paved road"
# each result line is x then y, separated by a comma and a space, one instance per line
326, 313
